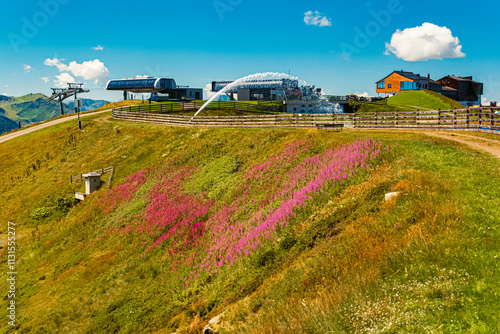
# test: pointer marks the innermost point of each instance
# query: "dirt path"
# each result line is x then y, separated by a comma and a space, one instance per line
479, 143
104, 119
16, 134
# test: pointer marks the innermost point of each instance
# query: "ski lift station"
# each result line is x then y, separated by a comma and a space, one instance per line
261, 90
161, 89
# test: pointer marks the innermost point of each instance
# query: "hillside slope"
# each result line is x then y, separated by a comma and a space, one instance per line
277, 230
425, 99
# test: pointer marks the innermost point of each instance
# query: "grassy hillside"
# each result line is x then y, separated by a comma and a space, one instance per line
424, 99
278, 230
380, 106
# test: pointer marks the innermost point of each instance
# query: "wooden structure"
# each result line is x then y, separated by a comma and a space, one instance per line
469, 119
92, 181
462, 89
399, 81
333, 126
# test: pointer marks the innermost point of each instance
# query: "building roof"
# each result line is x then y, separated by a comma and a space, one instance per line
455, 77
256, 84
409, 75
142, 85
449, 88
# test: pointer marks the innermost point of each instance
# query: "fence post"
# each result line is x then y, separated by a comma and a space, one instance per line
397, 118
275, 119
439, 118
418, 118
467, 118
455, 118
333, 117
491, 117
480, 119
376, 118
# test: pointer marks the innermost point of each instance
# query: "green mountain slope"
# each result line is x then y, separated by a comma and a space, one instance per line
278, 230
88, 104
424, 99
6, 124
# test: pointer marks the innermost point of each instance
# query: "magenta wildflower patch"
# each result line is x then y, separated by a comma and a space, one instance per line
199, 236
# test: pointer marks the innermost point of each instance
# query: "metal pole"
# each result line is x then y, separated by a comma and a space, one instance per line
77, 110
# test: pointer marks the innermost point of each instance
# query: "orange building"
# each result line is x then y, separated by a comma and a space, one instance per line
399, 81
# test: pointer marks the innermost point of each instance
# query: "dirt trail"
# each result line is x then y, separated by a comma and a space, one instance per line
16, 134
491, 146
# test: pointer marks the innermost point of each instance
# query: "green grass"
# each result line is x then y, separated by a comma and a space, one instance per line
348, 263
424, 99
380, 106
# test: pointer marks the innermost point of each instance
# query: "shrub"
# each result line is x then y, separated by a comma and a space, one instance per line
40, 213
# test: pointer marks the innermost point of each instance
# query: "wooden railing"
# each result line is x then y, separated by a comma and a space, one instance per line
476, 119
102, 171
170, 107
276, 120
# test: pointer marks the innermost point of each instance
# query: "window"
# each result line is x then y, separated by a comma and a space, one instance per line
381, 84
389, 86
408, 85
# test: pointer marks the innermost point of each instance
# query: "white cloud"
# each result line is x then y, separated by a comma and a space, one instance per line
364, 94
316, 19
423, 43
45, 79
98, 48
142, 76
6, 86
63, 79
88, 70
27, 68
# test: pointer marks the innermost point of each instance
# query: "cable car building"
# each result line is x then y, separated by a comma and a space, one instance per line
161, 89
269, 89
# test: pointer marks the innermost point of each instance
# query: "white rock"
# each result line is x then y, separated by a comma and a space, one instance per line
390, 196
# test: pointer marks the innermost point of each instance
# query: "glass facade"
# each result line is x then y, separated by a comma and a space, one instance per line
408, 85
381, 84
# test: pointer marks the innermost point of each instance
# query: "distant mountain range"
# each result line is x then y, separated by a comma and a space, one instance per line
33, 108
88, 104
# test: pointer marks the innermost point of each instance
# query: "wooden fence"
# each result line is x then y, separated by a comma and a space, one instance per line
102, 171
475, 119
170, 107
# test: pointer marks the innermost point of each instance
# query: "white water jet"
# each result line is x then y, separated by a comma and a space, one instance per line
249, 78
266, 76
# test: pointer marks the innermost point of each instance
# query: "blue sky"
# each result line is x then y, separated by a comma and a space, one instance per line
338, 46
